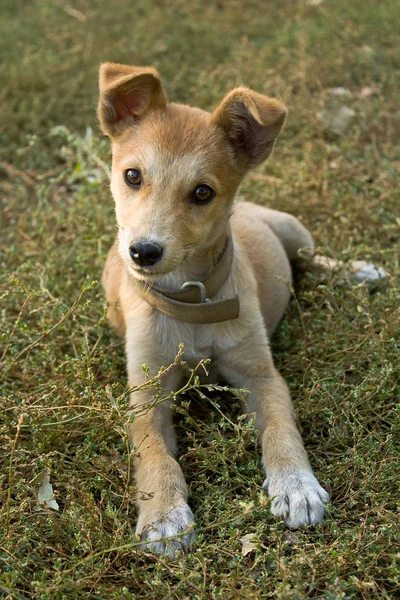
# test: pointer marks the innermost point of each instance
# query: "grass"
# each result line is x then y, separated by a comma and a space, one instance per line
63, 377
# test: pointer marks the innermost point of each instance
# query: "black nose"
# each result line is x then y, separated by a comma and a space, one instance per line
145, 254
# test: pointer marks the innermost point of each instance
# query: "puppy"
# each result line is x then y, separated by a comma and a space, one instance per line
190, 267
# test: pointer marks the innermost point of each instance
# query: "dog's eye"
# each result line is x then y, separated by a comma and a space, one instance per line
133, 177
203, 194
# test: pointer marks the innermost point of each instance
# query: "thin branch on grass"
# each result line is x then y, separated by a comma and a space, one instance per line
46, 333
12, 171
10, 470
17, 320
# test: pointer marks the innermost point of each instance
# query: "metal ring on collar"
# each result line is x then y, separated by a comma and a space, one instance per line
201, 286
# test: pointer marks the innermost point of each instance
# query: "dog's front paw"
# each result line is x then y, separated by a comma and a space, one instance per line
171, 532
296, 496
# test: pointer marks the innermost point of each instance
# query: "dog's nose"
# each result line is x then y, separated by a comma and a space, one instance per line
145, 254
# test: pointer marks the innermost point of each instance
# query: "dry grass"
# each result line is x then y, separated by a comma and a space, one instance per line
63, 378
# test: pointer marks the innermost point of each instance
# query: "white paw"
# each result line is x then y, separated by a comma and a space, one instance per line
172, 532
296, 496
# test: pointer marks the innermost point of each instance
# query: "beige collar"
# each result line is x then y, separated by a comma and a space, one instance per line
192, 303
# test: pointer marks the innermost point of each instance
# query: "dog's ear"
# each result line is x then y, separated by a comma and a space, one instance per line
252, 122
126, 94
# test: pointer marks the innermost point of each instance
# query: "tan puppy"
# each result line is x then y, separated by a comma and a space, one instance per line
175, 173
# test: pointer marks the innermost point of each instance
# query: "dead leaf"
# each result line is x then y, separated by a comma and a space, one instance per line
45, 493
248, 544
340, 91
368, 91
268, 178
342, 119
362, 271
339, 120
77, 14
247, 507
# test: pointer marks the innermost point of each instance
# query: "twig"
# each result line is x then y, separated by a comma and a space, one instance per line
15, 325
13, 171
10, 473
46, 333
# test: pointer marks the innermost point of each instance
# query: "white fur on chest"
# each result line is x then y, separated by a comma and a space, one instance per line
199, 340
207, 340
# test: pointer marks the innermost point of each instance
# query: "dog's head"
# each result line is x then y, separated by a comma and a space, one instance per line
176, 169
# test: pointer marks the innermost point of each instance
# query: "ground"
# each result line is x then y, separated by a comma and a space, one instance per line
63, 377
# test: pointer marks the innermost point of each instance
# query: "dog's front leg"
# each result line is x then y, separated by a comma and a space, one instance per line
165, 521
296, 494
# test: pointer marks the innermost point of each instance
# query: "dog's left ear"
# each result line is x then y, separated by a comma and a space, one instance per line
252, 122
127, 93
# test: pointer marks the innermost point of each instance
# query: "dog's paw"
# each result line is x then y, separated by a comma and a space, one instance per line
172, 532
296, 496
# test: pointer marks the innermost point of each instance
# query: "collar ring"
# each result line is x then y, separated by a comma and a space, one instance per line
201, 287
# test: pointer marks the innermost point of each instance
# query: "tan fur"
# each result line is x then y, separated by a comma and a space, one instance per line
177, 147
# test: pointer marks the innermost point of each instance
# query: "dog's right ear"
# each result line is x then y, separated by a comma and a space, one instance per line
126, 95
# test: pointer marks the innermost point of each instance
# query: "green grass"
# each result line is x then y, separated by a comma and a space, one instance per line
63, 376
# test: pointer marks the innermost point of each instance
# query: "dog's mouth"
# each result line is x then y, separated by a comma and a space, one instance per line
145, 274
149, 274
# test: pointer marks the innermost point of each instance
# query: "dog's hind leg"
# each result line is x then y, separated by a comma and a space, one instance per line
295, 237
290, 232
